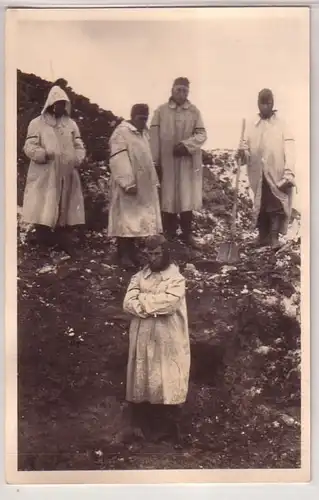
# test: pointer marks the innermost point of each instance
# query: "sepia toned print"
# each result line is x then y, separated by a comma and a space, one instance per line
162, 240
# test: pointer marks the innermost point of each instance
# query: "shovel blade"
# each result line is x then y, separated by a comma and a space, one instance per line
228, 253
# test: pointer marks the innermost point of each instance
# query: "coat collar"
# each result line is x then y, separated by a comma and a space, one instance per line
133, 129
272, 118
172, 104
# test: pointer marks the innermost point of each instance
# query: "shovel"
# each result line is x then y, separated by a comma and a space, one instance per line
229, 252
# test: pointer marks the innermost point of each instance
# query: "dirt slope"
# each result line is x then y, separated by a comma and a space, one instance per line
243, 408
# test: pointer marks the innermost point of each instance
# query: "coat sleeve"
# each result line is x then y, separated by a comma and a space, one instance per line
167, 302
80, 152
131, 302
32, 147
155, 137
195, 142
120, 164
244, 144
289, 148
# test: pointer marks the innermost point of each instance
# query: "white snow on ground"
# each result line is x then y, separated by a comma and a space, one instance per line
225, 172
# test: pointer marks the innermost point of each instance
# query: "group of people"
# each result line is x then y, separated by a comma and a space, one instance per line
156, 172
156, 185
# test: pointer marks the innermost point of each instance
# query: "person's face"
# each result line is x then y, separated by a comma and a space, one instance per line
59, 108
180, 93
140, 121
266, 105
156, 259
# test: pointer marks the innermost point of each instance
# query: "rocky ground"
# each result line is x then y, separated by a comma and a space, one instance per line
243, 409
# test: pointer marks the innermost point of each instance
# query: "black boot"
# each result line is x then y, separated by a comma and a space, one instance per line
170, 224
138, 417
135, 252
126, 253
64, 240
164, 422
158, 422
274, 231
264, 228
43, 236
186, 226
174, 421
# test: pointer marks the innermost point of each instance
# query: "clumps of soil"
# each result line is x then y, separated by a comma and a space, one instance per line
243, 408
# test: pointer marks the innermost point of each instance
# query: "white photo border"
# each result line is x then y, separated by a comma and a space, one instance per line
230, 490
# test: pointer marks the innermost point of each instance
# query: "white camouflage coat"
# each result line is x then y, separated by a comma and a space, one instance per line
182, 181
159, 349
270, 150
53, 193
131, 163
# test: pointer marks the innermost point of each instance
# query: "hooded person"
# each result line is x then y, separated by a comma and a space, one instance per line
60, 82
159, 345
177, 135
268, 150
134, 208
53, 195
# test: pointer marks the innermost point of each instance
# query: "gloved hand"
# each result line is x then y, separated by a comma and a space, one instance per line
287, 182
49, 156
180, 150
132, 190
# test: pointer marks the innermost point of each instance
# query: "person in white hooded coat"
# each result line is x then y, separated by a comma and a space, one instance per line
53, 196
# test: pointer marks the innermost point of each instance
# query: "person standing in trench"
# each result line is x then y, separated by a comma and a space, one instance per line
268, 151
177, 135
53, 198
159, 345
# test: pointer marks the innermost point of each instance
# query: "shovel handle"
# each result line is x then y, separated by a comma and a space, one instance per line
234, 211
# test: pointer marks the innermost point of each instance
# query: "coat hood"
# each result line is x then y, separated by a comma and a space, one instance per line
57, 94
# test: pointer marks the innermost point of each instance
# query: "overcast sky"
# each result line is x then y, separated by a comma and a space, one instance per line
228, 57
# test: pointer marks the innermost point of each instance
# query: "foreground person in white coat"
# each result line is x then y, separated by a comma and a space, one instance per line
53, 196
159, 350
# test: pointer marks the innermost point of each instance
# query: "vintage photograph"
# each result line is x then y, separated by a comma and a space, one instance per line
162, 202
